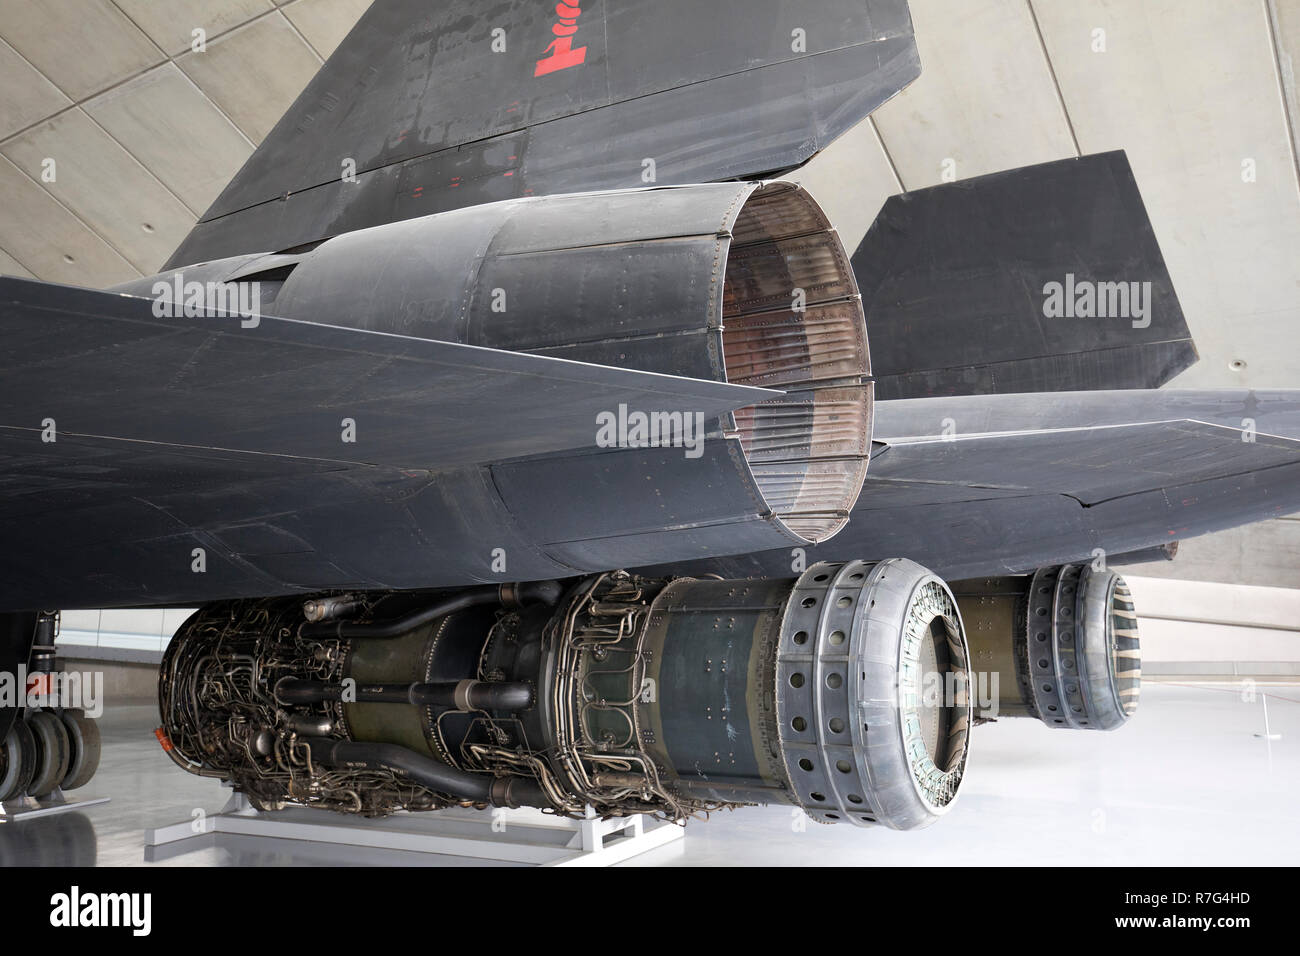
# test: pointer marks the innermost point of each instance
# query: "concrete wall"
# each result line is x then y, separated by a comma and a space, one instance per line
124, 682
1210, 629
1266, 553
136, 636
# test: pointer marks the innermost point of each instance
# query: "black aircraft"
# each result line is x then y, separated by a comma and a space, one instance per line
518, 437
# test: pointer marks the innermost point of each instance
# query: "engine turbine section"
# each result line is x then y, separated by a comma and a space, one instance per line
841, 692
1062, 641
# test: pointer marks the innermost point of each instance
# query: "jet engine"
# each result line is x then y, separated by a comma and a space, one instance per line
1062, 641
626, 694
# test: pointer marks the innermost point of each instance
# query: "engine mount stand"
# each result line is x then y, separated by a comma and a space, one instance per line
26, 807
524, 836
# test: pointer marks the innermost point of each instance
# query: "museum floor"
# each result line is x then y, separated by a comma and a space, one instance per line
1186, 782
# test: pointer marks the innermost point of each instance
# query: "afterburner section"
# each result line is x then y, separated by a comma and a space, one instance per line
1062, 643
872, 694
793, 320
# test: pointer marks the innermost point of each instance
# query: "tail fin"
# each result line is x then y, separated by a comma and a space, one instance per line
1039, 279
428, 107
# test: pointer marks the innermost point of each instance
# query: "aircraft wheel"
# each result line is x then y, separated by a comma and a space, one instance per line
18, 762
53, 751
84, 735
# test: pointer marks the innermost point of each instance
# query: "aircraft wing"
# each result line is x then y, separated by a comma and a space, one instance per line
982, 485
130, 440
236, 447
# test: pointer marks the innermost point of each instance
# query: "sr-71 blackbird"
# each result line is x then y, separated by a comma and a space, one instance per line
518, 438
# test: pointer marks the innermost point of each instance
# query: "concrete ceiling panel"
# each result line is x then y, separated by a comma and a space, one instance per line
1189, 89
49, 240
28, 96
105, 186
985, 100
325, 22
254, 73
9, 266
167, 123
83, 46
171, 24
1285, 16
850, 180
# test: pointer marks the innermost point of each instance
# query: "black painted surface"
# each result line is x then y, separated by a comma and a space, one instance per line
238, 451
952, 280
1121, 471
283, 387
434, 119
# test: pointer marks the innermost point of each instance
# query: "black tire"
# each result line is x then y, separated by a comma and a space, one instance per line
84, 735
53, 751
19, 762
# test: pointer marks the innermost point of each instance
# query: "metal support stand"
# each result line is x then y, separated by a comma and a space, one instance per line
1268, 731
507, 836
25, 808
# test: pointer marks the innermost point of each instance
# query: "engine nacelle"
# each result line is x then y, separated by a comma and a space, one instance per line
841, 692
1063, 642
745, 283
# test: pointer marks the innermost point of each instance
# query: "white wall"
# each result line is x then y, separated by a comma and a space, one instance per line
1187, 628
119, 635
1208, 628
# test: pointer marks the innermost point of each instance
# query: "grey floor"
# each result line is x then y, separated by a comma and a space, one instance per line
1186, 782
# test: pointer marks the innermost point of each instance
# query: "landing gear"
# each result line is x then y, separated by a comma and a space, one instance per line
83, 734
53, 752
48, 747
46, 752
17, 762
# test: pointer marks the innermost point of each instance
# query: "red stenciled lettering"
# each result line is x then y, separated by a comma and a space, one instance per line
561, 55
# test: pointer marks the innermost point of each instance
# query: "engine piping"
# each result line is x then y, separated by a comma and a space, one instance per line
465, 695
437, 776
508, 595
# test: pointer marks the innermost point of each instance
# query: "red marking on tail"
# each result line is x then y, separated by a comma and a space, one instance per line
561, 55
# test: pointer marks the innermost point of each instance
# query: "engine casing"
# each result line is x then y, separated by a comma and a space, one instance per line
841, 692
